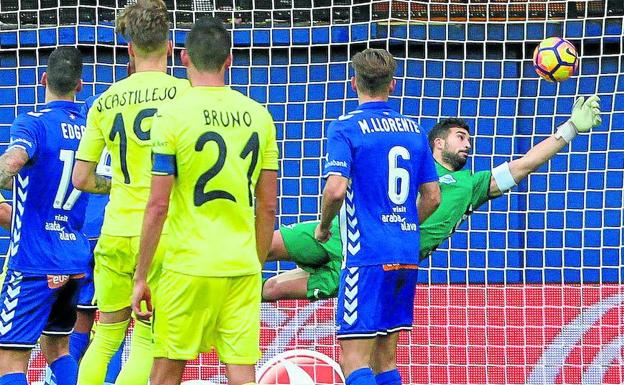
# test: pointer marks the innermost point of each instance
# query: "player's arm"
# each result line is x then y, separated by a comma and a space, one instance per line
153, 222
266, 207
428, 200
92, 144
86, 179
164, 171
266, 191
333, 197
585, 115
11, 162
338, 173
429, 188
5, 213
25, 138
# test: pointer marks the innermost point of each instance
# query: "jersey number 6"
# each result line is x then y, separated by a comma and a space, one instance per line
398, 178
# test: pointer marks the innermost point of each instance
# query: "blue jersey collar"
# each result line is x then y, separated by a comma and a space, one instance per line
61, 104
374, 106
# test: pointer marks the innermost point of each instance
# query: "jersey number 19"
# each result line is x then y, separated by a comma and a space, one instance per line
119, 129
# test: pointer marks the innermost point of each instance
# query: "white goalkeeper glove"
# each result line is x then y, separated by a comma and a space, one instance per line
585, 115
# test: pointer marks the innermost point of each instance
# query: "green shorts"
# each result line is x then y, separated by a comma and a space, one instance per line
322, 260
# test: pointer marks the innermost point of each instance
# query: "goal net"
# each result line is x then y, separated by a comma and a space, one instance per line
530, 289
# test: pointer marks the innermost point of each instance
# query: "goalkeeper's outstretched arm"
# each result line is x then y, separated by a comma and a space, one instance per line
585, 116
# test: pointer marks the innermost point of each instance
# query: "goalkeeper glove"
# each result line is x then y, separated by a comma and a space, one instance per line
585, 115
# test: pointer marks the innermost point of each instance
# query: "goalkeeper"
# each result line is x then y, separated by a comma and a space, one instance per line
462, 192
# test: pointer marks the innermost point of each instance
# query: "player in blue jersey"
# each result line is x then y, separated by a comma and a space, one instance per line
378, 161
48, 252
86, 306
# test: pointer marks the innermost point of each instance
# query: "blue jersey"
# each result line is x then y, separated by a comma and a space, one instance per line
97, 202
48, 212
386, 156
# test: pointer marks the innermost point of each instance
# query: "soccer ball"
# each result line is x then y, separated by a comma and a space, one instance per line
555, 59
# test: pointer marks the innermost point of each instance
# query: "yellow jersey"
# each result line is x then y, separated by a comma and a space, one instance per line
215, 141
120, 120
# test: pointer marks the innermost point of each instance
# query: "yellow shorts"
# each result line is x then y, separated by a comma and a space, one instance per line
115, 262
193, 314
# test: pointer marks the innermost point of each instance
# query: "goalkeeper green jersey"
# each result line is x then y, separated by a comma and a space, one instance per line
462, 192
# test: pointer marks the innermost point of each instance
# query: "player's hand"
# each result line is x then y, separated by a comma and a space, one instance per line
322, 235
586, 113
140, 294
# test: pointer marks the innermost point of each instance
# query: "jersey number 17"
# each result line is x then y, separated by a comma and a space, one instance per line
67, 156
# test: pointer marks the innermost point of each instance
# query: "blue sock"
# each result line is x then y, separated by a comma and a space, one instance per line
78, 343
391, 377
65, 370
14, 379
114, 366
362, 376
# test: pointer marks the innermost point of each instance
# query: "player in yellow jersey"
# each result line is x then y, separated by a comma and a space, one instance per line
214, 152
120, 120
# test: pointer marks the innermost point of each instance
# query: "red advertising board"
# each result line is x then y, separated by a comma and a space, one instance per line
514, 334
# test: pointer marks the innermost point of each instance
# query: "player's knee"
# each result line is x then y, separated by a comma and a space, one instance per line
13, 361
116, 316
352, 360
240, 374
271, 290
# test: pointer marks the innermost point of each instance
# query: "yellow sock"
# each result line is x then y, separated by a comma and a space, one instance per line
104, 345
136, 370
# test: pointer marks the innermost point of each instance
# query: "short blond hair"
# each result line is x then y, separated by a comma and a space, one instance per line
374, 70
145, 24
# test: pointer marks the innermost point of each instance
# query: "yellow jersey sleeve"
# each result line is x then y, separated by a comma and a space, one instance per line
163, 145
92, 143
163, 139
270, 153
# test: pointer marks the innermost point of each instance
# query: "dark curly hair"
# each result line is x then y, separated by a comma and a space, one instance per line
442, 128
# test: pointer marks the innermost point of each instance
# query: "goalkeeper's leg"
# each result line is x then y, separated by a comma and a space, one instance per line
292, 284
320, 264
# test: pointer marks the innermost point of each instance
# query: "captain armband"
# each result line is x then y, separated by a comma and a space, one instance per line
502, 176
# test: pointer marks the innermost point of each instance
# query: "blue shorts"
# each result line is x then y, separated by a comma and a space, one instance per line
375, 300
86, 288
35, 305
